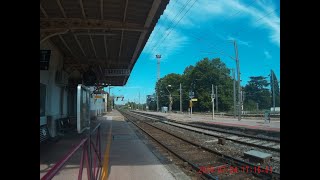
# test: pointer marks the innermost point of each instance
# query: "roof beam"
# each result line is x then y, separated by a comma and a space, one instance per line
120, 48
124, 19
75, 37
61, 8
82, 10
54, 24
101, 8
105, 46
94, 49
101, 73
46, 35
67, 46
125, 12
73, 60
43, 11
151, 14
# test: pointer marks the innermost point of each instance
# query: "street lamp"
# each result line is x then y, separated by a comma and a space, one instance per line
170, 98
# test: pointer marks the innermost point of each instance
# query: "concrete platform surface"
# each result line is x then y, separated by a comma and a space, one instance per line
130, 158
124, 155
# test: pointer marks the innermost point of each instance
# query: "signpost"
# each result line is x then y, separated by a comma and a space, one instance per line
44, 59
191, 95
212, 100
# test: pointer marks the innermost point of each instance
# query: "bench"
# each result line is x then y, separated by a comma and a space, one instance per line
64, 124
44, 133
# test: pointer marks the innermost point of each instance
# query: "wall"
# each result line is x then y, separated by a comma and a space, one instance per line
72, 103
97, 107
53, 91
65, 103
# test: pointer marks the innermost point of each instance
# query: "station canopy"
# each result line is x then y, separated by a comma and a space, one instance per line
102, 39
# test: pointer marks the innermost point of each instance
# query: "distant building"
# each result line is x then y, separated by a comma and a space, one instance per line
150, 102
276, 109
150, 98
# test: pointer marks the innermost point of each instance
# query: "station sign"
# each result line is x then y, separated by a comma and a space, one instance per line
44, 59
191, 94
194, 99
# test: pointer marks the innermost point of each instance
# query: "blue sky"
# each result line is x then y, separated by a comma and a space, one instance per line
190, 30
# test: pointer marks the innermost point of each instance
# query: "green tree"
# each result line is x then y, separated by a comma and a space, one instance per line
256, 92
200, 78
163, 90
152, 103
274, 80
131, 105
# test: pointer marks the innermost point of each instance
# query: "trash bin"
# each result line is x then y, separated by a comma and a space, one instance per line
164, 109
52, 126
267, 116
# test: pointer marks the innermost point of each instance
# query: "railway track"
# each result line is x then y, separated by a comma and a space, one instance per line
260, 142
241, 131
206, 161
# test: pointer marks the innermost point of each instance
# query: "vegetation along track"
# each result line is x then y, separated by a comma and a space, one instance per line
198, 156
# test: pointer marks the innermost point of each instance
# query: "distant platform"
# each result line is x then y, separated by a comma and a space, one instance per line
255, 124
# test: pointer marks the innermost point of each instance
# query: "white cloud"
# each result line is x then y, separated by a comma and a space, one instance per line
246, 43
174, 42
267, 54
210, 12
263, 15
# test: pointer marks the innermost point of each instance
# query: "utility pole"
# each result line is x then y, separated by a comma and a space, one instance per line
242, 99
212, 100
158, 56
180, 99
170, 103
234, 94
239, 86
191, 95
273, 96
170, 99
217, 98
191, 107
139, 101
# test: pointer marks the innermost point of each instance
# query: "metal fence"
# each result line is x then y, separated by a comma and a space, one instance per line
93, 165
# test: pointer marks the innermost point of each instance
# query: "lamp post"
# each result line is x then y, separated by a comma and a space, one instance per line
170, 98
158, 56
180, 99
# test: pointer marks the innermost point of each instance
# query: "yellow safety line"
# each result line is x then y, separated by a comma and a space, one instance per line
105, 167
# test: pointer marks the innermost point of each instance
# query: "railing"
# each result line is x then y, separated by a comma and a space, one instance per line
93, 170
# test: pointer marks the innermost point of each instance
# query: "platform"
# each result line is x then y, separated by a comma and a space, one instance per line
258, 124
124, 155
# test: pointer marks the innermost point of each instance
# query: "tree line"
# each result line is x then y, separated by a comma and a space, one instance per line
199, 79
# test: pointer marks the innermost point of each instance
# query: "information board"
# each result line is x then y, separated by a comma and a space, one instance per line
44, 59
83, 108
